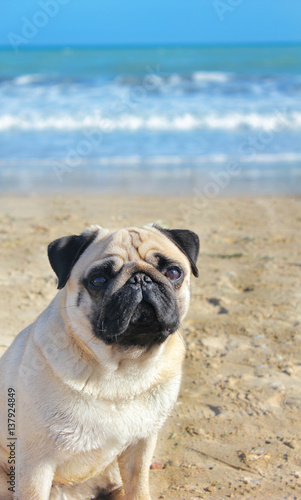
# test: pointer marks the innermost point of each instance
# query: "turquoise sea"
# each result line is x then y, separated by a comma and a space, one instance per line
215, 120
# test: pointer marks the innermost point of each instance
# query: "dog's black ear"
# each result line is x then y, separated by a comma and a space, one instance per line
64, 252
187, 241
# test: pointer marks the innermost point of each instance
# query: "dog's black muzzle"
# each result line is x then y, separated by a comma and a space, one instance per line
142, 312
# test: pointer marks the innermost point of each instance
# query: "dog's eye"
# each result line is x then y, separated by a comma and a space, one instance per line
173, 273
99, 281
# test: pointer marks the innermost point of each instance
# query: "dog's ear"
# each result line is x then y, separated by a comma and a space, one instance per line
64, 252
187, 241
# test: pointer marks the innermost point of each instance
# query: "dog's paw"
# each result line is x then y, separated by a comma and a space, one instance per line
117, 494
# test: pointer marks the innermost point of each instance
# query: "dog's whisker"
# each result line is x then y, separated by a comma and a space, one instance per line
66, 307
92, 340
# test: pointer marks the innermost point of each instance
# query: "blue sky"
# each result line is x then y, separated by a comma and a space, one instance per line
144, 22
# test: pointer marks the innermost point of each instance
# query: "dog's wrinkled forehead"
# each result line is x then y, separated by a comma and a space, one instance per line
137, 243
140, 243
133, 244
128, 243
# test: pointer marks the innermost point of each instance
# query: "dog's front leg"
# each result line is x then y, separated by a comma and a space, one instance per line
134, 464
34, 477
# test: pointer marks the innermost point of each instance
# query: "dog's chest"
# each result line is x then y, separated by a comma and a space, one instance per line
97, 431
100, 423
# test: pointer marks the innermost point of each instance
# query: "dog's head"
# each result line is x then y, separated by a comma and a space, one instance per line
130, 287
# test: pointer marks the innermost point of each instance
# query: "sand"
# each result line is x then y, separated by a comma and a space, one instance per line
235, 431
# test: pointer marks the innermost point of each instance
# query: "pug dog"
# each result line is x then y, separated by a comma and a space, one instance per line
90, 383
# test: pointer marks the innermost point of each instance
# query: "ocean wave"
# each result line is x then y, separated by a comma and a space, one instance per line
159, 81
235, 121
210, 82
155, 78
211, 76
217, 160
162, 78
46, 80
29, 79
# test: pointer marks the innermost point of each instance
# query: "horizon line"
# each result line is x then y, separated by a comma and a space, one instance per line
155, 45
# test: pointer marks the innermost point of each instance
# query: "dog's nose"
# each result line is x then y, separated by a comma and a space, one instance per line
141, 279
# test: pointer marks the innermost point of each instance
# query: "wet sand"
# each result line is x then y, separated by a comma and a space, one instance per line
235, 431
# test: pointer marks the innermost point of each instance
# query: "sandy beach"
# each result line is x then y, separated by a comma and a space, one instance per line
235, 431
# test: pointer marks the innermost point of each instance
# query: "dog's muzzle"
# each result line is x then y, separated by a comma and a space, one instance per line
142, 312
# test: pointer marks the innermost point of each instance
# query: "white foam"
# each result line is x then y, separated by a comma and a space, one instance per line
180, 122
28, 79
211, 76
178, 80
